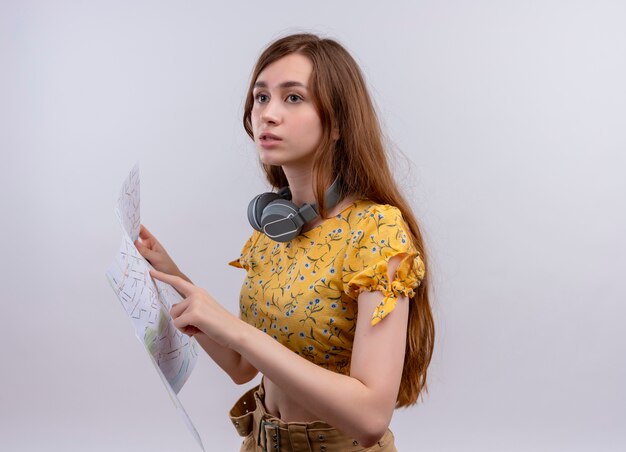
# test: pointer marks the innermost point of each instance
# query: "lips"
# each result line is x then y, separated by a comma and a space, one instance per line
266, 136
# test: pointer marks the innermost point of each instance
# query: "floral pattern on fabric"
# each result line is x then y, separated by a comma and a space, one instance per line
304, 292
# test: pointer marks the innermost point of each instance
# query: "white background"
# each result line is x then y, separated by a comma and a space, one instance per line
512, 116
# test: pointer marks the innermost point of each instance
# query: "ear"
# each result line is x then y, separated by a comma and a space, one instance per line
335, 134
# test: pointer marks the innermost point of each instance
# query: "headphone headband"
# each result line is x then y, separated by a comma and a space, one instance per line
331, 197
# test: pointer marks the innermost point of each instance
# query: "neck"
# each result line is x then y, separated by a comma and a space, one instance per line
301, 186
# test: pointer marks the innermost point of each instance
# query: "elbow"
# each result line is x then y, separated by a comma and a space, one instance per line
241, 378
372, 432
371, 439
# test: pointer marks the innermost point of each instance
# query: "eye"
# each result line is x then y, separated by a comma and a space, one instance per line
261, 98
294, 98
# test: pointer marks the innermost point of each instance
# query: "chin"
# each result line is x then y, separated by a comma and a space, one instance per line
270, 161
268, 157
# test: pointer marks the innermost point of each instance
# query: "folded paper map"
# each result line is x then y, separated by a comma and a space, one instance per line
147, 303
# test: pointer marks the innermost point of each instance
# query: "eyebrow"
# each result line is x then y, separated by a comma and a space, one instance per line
287, 84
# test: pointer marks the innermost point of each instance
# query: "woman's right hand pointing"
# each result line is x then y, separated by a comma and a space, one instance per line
150, 248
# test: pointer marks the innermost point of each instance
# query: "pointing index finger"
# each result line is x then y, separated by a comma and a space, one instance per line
178, 283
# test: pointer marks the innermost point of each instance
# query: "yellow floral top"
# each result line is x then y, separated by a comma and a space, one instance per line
303, 292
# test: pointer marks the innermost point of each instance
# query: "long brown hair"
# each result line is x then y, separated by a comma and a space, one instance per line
358, 159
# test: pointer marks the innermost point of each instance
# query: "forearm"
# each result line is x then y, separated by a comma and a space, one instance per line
237, 368
340, 400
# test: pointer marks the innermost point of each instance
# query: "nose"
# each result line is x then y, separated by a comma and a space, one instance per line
271, 113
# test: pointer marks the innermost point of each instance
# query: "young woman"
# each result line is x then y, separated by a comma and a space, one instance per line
335, 315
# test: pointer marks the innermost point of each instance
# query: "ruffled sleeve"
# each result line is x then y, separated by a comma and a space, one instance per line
379, 235
244, 257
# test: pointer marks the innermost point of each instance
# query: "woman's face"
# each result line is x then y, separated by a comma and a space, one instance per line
285, 123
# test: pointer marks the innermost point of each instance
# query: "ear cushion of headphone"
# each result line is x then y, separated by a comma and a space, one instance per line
256, 207
280, 220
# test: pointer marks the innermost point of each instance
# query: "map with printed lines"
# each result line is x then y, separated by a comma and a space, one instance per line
147, 302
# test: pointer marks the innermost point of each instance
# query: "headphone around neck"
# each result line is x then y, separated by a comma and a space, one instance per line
281, 220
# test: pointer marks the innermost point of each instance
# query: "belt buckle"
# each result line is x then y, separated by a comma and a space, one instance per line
276, 436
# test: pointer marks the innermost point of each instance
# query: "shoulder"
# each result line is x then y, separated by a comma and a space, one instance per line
365, 207
368, 217
378, 233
